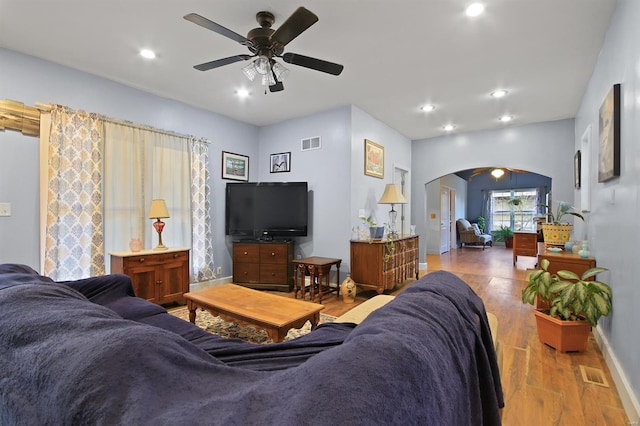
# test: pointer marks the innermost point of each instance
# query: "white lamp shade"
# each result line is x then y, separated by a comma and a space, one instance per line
392, 195
158, 209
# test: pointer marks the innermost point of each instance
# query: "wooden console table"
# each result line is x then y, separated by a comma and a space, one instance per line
565, 260
381, 265
319, 270
524, 244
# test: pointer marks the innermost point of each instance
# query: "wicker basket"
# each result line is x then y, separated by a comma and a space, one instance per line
556, 234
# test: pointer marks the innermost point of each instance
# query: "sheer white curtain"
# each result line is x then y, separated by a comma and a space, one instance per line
141, 165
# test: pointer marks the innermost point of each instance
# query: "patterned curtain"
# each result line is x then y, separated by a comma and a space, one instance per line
74, 227
202, 240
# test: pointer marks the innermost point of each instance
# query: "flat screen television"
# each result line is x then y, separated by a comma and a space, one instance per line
264, 210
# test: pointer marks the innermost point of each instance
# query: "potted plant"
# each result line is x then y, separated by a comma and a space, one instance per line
575, 304
556, 232
375, 232
504, 234
482, 222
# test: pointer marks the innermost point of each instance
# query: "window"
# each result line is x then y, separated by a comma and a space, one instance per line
513, 208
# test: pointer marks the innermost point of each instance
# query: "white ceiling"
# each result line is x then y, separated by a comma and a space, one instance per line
397, 55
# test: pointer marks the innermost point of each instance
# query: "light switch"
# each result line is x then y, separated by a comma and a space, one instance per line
5, 209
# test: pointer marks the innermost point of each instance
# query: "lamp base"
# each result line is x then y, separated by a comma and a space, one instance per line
159, 226
160, 247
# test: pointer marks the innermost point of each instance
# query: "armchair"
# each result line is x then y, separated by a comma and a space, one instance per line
470, 234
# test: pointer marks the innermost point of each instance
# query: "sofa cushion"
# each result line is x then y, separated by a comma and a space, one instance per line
476, 229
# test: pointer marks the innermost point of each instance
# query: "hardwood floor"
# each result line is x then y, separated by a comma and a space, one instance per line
541, 386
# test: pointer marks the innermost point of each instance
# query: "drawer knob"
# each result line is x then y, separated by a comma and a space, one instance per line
246, 253
141, 260
273, 254
159, 282
244, 273
175, 255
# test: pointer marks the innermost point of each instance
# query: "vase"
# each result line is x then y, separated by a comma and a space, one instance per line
348, 289
135, 245
376, 232
584, 251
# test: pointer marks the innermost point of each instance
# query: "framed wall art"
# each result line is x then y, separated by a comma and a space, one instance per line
577, 166
373, 159
280, 162
235, 166
609, 127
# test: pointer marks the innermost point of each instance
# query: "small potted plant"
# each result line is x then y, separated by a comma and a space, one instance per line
482, 222
504, 234
375, 232
574, 304
556, 232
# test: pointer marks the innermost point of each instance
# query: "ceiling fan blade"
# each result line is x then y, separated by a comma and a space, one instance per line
221, 62
278, 87
295, 25
313, 63
210, 25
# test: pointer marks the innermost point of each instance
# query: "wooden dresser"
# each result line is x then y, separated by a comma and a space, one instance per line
263, 265
380, 266
158, 276
565, 260
524, 244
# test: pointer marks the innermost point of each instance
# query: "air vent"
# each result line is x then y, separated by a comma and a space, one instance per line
594, 376
310, 143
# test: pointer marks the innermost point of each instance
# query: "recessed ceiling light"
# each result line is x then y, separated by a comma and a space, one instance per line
427, 108
148, 54
448, 127
499, 93
474, 9
242, 93
506, 118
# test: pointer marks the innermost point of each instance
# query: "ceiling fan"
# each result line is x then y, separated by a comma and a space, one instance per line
266, 44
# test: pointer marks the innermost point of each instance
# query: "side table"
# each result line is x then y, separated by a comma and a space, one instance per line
319, 270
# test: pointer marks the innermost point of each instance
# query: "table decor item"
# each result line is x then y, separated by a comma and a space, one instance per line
554, 231
135, 245
348, 290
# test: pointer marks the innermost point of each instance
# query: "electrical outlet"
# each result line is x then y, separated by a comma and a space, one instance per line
5, 209
219, 270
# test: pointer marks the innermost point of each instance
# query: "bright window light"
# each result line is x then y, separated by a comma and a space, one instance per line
475, 9
148, 54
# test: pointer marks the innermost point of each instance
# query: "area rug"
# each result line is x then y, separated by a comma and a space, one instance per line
244, 331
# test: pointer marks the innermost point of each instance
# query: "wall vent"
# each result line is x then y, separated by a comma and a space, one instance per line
310, 143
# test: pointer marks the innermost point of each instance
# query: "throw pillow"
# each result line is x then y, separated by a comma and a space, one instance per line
476, 229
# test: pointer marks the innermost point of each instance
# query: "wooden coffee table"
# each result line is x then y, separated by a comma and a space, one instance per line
275, 314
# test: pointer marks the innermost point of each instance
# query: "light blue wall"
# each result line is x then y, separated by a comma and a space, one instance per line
30, 80
615, 205
543, 148
327, 170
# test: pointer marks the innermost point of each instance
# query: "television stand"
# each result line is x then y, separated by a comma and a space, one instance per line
263, 265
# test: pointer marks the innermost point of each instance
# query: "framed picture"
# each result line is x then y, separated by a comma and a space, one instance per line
280, 162
577, 169
373, 159
609, 126
235, 166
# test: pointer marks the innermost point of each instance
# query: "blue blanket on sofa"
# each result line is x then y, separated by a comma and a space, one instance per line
88, 352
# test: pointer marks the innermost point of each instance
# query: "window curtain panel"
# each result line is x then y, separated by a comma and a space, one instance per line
73, 244
486, 210
142, 165
202, 262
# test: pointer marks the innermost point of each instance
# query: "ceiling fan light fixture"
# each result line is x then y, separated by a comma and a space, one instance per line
262, 65
506, 118
268, 80
497, 173
280, 71
250, 71
500, 93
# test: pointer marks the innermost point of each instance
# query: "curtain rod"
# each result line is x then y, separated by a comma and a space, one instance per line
49, 107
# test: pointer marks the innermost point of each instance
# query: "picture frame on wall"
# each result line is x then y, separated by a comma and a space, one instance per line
280, 162
235, 166
577, 169
609, 131
373, 159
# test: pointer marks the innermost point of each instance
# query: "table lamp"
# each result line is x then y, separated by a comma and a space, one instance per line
159, 211
392, 195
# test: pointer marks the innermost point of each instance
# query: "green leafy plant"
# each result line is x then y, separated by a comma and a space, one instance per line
503, 234
482, 222
368, 220
563, 209
570, 297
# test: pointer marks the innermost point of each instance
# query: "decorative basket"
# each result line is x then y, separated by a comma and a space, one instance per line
555, 234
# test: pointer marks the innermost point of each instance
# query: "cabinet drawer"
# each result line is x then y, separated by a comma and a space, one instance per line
273, 273
273, 253
246, 253
246, 272
155, 259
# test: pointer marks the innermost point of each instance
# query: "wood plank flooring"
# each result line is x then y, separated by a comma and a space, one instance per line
541, 386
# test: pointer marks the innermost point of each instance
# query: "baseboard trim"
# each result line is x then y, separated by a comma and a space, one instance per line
629, 399
211, 283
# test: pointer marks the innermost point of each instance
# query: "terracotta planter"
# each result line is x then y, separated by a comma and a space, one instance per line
556, 235
508, 242
564, 336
